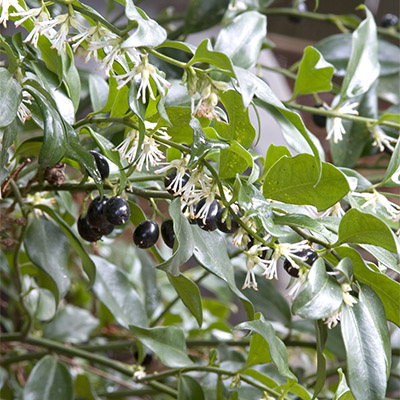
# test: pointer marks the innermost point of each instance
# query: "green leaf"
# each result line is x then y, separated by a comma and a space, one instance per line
88, 264
294, 180
83, 388
203, 14
10, 97
189, 388
314, 73
50, 56
72, 79
274, 153
258, 351
135, 104
322, 335
47, 247
276, 347
363, 67
189, 293
119, 102
321, 295
206, 54
71, 324
183, 250
168, 342
9, 133
41, 303
345, 266
148, 32
49, 380
343, 391
366, 346
393, 169
210, 251
384, 257
360, 227
98, 89
249, 30
115, 291
387, 289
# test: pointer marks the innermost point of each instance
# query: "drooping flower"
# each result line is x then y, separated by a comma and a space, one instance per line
337, 130
5, 6
27, 14
333, 319
241, 237
347, 297
382, 140
23, 111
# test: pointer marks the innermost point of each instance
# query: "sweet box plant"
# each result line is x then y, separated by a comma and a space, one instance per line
142, 236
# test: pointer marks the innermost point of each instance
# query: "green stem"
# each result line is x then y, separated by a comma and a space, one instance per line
310, 238
167, 59
333, 114
122, 394
23, 357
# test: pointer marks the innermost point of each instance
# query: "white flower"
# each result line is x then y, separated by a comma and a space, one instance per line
177, 182
39, 198
139, 373
5, 5
23, 111
347, 297
333, 319
241, 238
111, 47
382, 140
250, 280
254, 259
26, 14
372, 199
34, 34
337, 130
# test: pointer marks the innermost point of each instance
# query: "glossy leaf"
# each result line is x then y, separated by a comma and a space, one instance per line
393, 169
365, 347
343, 391
321, 295
384, 257
41, 303
387, 289
210, 251
136, 104
168, 342
184, 238
294, 180
72, 78
314, 73
277, 348
49, 380
47, 247
10, 97
98, 89
360, 227
249, 29
189, 389
114, 290
363, 67
8, 134
189, 293
274, 153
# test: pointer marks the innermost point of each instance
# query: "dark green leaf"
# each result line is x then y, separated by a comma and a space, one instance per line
365, 346
321, 295
314, 73
98, 89
50, 56
168, 342
114, 290
322, 335
210, 251
9, 133
363, 67
360, 227
10, 97
183, 237
294, 180
277, 348
386, 288
49, 380
84, 389
135, 104
189, 293
189, 389
71, 324
47, 247
249, 29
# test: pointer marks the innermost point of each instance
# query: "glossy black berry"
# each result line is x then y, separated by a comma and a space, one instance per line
117, 211
308, 256
210, 222
146, 234
101, 163
223, 226
171, 185
167, 233
96, 216
319, 120
389, 20
87, 231
301, 7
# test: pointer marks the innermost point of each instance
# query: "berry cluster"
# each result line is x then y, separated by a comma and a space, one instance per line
147, 232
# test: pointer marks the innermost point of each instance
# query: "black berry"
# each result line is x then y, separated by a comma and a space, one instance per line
301, 7
146, 234
319, 120
389, 20
116, 211
169, 183
148, 358
96, 216
308, 256
167, 233
223, 226
101, 163
87, 231
210, 222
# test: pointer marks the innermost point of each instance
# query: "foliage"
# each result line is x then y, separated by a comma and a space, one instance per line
203, 319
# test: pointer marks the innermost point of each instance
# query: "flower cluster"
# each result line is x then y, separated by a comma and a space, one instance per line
382, 140
337, 130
